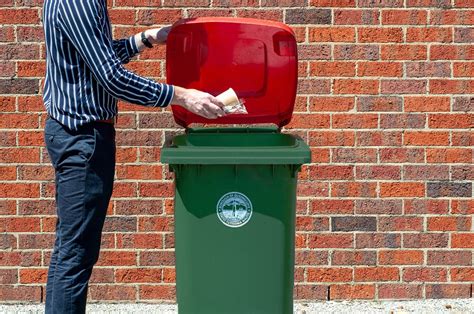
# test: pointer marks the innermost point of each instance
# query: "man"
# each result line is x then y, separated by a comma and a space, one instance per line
85, 77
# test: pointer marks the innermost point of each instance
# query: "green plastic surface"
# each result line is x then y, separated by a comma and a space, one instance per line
247, 269
235, 146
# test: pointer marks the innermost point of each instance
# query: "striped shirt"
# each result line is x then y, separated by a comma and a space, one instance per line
85, 74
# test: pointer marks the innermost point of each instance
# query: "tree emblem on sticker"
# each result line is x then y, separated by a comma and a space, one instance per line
234, 209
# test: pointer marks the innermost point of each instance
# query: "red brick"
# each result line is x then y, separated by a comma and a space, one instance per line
449, 257
451, 121
307, 223
462, 138
429, 34
426, 206
449, 155
20, 293
378, 172
404, 17
464, 35
378, 240
462, 274
463, 240
333, 274
332, 34
425, 240
449, 291
137, 3
465, 207
331, 104
30, 34
8, 276
356, 17
309, 121
381, 3
311, 292
351, 292
112, 292
426, 172
400, 155
376, 274
354, 258
400, 223
20, 258
451, 52
374, 138
19, 16
404, 52
429, 3
138, 275
30, 104
326, 172
384, 69
354, 155
148, 224
332, 69
313, 189
157, 292
7, 34
422, 138
38, 275
117, 258
275, 15
140, 241
378, 206
402, 121
158, 16
446, 86
452, 17
427, 104
463, 4
235, 3
7, 69
402, 189
424, 274
333, 240
331, 138
400, 291
354, 121
353, 189
356, 52
31, 69
19, 121
314, 86
355, 86
16, 190
403, 86
428, 69
463, 69
333, 3
401, 257
210, 12
380, 35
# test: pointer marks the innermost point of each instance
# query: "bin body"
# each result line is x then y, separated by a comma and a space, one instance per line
235, 198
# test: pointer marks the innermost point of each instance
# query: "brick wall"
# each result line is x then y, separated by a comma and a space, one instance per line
385, 100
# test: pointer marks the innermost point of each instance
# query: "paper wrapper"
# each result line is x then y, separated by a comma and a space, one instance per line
232, 104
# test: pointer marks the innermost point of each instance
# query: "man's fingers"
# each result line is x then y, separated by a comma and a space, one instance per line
218, 111
216, 101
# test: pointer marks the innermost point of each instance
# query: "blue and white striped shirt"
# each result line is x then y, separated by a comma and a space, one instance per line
85, 74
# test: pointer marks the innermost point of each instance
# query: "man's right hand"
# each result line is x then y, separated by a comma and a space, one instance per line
200, 103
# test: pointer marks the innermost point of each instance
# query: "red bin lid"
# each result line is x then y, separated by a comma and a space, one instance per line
257, 58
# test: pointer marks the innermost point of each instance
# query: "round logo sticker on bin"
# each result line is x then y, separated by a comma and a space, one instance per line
234, 209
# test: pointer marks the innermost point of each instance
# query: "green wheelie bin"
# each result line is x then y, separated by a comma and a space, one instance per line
235, 187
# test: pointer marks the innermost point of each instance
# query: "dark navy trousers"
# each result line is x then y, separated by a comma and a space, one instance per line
84, 163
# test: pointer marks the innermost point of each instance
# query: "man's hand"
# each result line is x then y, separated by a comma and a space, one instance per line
158, 35
200, 103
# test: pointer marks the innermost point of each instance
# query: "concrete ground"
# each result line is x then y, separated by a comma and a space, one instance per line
457, 306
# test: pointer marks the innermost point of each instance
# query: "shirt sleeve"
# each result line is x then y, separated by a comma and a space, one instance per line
125, 48
83, 24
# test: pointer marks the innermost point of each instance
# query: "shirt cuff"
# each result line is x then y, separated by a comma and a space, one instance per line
132, 47
166, 95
